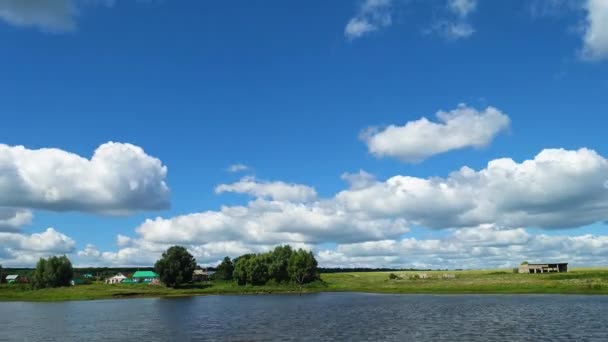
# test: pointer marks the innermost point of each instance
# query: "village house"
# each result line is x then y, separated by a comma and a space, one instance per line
118, 278
12, 278
201, 275
145, 277
543, 268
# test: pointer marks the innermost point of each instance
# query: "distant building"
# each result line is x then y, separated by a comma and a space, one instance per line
12, 278
201, 275
118, 278
544, 268
143, 277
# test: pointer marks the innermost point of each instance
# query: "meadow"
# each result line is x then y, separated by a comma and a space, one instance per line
577, 281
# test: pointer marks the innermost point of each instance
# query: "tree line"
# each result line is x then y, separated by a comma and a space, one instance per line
281, 265
176, 266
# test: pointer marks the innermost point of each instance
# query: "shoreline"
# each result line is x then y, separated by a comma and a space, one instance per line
490, 282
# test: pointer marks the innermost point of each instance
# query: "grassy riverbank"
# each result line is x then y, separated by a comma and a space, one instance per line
578, 281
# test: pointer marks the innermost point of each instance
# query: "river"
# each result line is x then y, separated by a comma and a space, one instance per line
312, 317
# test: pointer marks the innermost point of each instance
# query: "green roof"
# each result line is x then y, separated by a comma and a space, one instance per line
144, 274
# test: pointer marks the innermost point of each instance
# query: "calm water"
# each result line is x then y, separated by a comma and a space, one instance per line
325, 316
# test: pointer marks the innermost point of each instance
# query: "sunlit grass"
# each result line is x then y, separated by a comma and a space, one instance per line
578, 281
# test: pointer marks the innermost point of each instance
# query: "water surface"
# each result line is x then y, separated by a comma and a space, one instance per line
317, 317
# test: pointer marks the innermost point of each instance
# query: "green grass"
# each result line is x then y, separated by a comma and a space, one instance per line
578, 281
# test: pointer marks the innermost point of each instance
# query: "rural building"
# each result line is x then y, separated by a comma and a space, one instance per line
12, 278
116, 279
143, 277
543, 268
201, 275
76, 281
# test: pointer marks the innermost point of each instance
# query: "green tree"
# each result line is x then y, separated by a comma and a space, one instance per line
257, 269
1, 274
524, 263
224, 270
302, 267
240, 268
175, 267
279, 260
53, 272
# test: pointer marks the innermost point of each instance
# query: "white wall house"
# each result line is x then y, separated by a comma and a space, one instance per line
116, 279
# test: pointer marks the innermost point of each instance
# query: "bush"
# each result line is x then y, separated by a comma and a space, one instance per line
393, 276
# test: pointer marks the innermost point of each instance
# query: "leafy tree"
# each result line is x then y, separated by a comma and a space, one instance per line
524, 263
1, 274
240, 268
53, 272
175, 267
277, 269
302, 267
257, 269
224, 270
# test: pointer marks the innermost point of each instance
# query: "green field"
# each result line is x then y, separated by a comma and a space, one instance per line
578, 281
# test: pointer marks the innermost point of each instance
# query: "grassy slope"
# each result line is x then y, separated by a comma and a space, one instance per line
580, 281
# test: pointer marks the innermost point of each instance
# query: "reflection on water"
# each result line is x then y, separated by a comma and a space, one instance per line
325, 316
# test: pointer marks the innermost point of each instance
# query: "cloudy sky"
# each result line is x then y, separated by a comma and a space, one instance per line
378, 133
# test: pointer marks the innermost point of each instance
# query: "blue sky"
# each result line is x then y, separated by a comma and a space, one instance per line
291, 89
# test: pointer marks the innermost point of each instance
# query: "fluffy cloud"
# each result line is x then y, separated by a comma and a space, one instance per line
596, 31
371, 16
24, 250
279, 191
119, 178
478, 247
14, 219
420, 139
271, 222
557, 189
481, 210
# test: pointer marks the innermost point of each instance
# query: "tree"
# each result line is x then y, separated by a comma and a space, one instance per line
524, 263
52, 272
257, 269
224, 270
240, 268
1, 274
279, 260
302, 267
175, 267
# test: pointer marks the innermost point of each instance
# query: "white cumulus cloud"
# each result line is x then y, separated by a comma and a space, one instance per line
557, 189
24, 250
119, 178
417, 140
13, 219
595, 37
278, 190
